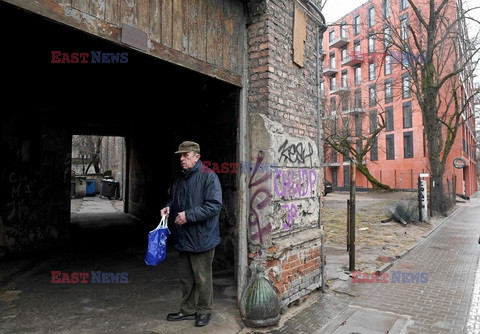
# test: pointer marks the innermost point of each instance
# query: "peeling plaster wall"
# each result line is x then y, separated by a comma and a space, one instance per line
283, 223
285, 200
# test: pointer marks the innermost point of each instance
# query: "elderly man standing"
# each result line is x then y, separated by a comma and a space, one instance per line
194, 210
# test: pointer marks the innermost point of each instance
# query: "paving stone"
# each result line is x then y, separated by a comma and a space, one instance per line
448, 303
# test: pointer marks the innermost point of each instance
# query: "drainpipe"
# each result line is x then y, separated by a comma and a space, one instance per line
321, 27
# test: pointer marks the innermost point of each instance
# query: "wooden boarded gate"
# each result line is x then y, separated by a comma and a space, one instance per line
207, 36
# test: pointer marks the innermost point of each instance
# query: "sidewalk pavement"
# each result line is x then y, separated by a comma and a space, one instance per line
447, 302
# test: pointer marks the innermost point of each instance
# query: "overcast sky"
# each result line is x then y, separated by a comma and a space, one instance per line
335, 9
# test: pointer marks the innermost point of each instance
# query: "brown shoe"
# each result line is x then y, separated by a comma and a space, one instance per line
180, 316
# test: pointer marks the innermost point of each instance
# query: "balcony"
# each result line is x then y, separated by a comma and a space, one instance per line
354, 110
330, 71
339, 42
338, 89
352, 60
332, 164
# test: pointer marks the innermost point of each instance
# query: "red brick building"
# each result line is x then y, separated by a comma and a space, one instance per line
365, 77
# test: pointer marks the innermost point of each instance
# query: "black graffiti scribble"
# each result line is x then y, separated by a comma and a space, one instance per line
295, 153
254, 218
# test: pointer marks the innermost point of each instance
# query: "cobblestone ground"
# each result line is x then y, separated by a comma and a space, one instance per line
448, 302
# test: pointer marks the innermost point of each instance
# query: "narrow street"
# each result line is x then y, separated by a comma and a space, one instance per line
448, 302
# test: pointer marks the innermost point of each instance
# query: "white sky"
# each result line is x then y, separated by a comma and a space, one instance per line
335, 9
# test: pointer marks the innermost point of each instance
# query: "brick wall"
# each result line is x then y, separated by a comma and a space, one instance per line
284, 204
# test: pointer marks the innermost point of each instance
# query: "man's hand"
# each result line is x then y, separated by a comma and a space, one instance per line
180, 219
165, 211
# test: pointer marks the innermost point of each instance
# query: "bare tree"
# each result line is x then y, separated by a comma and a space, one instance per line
88, 149
346, 132
433, 46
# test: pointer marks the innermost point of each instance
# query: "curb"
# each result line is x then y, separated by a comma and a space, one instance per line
399, 256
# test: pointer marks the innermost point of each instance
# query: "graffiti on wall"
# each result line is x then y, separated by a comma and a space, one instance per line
20, 188
258, 189
295, 153
291, 215
294, 183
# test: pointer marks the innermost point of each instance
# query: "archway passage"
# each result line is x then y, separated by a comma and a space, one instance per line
154, 105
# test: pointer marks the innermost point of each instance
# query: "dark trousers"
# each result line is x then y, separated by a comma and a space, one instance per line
195, 271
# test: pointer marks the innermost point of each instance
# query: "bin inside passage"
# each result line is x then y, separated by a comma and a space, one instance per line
109, 188
90, 188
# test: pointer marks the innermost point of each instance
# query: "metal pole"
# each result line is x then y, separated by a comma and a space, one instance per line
352, 216
420, 209
348, 225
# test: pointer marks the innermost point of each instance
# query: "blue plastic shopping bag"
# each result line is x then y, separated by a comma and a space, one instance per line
157, 243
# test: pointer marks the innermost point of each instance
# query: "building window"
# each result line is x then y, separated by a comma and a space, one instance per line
331, 35
333, 105
358, 146
386, 9
344, 54
333, 82
408, 144
357, 72
387, 37
371, 71
356, 25
389, 124
371, 43
372, 96
358, 125
344, 102
343, 30
334, 155
407, 115
371, 16
332, 60
344, 78
390, 146
388, 91
406, 86
358, 98
403, 4
374, 150
404, 28
388, 64
373, 120
356, 49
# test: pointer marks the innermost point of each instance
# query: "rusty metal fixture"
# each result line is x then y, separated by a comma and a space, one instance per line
259, 305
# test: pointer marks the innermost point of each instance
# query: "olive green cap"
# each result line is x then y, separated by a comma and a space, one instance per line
188, 146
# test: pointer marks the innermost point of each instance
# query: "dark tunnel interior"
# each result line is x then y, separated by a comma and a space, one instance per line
155, 105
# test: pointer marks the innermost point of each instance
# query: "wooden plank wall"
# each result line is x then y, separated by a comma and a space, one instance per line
211, 31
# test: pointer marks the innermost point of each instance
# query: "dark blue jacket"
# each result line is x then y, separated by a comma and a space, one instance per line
199, 194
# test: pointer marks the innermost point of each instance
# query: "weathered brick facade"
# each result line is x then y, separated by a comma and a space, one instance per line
284, 235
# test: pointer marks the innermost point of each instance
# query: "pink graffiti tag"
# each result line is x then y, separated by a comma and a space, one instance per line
254, 217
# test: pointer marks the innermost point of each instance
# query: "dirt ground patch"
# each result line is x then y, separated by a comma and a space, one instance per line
377, 242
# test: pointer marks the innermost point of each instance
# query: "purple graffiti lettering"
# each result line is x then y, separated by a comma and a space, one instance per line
291, 215
295, 183
254, 218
